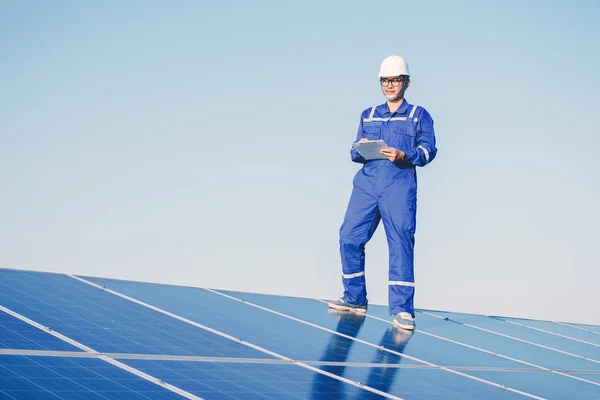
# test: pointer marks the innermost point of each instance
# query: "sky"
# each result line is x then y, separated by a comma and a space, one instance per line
206, 143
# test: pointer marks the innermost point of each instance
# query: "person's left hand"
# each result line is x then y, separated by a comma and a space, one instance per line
392, 154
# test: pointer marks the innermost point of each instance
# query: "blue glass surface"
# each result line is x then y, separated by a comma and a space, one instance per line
112, 324
495, 343
505, 346
430, 384
552, 388
40, 378
545, 339
559, 329
438, 351
593, 328
374, 331
16, 334
388, 374
535, 383
267, 330
269, 381
108, 323
299, 341
213, 380
590, 376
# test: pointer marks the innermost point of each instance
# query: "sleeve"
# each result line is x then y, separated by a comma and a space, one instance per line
425, 150
354, 155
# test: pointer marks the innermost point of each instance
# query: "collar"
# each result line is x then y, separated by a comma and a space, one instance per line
384, 110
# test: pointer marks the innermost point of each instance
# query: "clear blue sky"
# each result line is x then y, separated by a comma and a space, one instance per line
206, 143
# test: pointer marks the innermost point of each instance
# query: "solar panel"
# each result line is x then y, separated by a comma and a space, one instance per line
557, 329
588, 328
374, 331
500, 344
247, 381
448, 350
244, 381
534, 337
267, 330
120, 340
23, 377
16, 334
107, 323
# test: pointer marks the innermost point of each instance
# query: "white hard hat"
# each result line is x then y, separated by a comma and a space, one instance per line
393, 66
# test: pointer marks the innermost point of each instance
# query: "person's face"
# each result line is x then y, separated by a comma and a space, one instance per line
392, 85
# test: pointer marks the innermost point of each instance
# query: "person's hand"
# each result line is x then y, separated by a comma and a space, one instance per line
363, 140
392, 154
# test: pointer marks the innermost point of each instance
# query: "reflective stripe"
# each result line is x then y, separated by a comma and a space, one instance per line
402, 283
412, 112
388, 119
356, 275
372, 117
426, 153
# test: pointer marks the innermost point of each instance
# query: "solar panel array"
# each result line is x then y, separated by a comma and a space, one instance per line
71, 337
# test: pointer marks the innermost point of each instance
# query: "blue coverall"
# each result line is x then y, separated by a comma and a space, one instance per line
383, 190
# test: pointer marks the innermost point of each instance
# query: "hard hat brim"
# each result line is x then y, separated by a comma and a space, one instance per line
388, 76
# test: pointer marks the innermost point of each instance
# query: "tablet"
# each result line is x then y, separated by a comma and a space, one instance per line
370, 150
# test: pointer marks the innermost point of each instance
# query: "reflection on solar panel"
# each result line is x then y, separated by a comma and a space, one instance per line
69, 337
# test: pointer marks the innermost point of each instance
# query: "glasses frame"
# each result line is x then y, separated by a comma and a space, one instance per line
395, 82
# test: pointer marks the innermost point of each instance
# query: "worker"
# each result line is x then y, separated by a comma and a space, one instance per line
386, 190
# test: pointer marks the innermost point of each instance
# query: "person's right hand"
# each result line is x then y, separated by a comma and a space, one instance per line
363, 140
